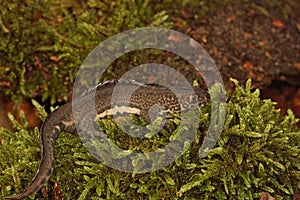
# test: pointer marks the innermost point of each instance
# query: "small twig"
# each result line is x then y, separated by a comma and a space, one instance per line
60, 36
6, 30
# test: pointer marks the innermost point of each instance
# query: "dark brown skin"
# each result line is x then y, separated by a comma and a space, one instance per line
141, 100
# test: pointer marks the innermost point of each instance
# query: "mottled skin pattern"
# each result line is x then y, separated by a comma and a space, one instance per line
142, 99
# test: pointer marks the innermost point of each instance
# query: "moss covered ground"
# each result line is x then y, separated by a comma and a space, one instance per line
258, 151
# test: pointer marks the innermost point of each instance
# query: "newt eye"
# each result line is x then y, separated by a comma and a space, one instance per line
185, 105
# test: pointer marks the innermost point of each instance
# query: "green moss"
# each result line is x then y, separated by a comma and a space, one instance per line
43, 44
258, 151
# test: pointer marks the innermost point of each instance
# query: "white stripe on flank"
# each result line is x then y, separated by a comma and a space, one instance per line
118, 109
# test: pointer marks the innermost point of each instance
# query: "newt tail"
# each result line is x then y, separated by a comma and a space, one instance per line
49, 130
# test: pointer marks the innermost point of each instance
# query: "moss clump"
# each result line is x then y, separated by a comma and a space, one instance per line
43, 44
258, 151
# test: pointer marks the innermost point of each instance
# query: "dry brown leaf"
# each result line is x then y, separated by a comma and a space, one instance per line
266, 196
175, 38
297, 65
277, 23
